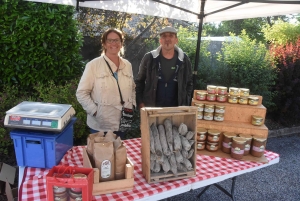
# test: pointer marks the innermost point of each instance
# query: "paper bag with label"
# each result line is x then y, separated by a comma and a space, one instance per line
120, 159
104, 160
91, 140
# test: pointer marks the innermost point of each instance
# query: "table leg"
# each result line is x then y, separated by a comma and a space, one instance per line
231, 195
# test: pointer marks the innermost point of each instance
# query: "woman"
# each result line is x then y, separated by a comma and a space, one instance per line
98, 91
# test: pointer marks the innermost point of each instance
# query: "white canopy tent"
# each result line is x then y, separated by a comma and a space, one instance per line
200, 11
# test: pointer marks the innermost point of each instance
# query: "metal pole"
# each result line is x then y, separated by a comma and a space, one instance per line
200, 27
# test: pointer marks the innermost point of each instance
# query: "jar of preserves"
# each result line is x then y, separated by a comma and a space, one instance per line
201, 134
257, 120
219, 116
238, 147
213, 135
212, 146
200, 106
222, 98
209, 108
220, 109
232, 99
222, 90
75, 196
243, 100
61, 196
199, 115
201, 95
233, 91
227, 141
208, 116
258, 146
211, 97
247, 144
244, 92
253, 100
211, 89
200, 145
59, 189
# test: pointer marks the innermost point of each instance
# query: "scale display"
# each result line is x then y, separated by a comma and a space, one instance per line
39, 116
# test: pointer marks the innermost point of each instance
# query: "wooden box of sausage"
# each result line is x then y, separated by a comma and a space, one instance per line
168, 143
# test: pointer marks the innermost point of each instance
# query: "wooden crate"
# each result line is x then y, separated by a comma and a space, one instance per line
177, 115
110, 186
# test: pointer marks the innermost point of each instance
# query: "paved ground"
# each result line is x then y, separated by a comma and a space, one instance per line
279, 182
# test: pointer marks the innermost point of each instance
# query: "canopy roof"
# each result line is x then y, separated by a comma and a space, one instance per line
189, 10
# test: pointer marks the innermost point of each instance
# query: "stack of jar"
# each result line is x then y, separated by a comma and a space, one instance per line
212, 112
68, 194
241, 96
242, 144
208, 139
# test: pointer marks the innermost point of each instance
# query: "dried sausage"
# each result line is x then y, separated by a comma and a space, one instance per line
158, 149
169, 133
176, 138
163, 140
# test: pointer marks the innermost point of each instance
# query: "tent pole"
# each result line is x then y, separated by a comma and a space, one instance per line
200, 27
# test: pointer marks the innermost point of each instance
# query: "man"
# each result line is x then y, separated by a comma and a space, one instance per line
165, 76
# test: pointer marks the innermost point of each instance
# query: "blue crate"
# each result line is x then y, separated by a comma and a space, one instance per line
42, 149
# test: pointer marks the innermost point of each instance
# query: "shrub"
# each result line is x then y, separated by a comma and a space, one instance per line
287, 60
246, 64
39, 42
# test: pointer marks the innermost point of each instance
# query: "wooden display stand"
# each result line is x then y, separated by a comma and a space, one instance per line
177, 115
237, 119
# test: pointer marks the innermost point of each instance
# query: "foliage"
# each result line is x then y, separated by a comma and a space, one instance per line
282, 33
10, 96
287, 60
65, 94
39, 42
253, 27
246, 64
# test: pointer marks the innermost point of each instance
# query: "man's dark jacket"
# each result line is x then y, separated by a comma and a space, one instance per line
147, 78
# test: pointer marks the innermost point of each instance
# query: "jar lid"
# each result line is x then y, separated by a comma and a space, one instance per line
211, 86
257, 117
211, 94
247, 136
201, 92
219, 114
214, 132
207, 105
259, 139
79, 175
212, 143
233, 89
201, 130
221, 87
229, 134
199, 104
244, 89
253, 97
221, 95
233, 96
220, 106
239, 140
243, 97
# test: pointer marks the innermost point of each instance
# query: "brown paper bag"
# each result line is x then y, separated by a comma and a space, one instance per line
90, 142
120, 159
104, 160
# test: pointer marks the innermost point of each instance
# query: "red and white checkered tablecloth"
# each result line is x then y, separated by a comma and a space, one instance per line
33, 185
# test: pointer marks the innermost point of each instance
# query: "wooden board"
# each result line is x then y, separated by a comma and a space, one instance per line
110, 186
177, 115
238, 112
235, 127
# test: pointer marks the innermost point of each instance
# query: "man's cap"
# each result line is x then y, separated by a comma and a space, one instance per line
168, 30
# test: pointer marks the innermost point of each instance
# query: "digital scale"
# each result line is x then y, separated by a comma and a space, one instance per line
39, 116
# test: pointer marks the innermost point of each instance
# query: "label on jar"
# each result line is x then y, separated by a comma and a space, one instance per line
199, 146
215, 138
209, 109
199, 116
237, 150
220, 111
201, 137
247, 147
200, 109
105, 169
219, 118
212, 147
227, 145
258, 149
208, 117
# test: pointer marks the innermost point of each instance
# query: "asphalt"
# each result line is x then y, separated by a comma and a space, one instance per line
278, 182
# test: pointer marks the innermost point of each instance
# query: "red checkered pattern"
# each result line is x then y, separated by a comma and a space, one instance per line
33, 186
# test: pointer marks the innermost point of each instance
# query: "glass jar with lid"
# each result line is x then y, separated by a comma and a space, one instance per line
213, 135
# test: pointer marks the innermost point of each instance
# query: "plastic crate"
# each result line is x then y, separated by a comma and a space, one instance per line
42, 149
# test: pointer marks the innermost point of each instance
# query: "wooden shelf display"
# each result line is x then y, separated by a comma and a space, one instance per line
237, 118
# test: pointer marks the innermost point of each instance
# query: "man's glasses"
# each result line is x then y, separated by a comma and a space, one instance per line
117, 41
